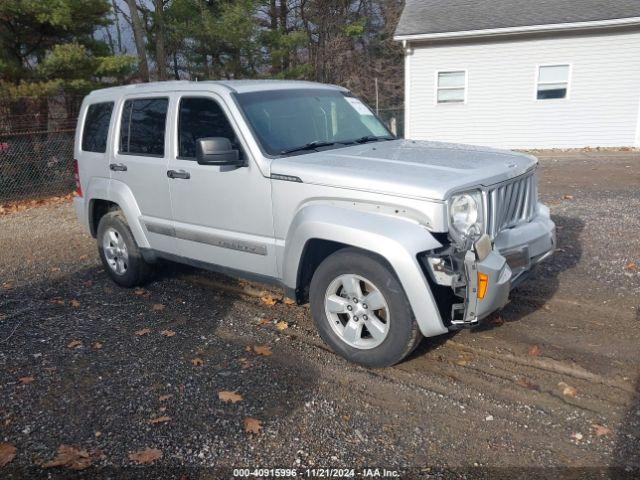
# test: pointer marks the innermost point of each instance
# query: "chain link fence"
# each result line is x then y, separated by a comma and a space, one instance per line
36, 147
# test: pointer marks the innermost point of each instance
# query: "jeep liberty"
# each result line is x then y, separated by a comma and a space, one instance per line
300, 184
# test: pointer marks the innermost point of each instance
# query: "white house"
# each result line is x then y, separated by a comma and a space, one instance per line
522, 73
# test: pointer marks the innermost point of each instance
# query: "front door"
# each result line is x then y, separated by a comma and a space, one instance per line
222, 215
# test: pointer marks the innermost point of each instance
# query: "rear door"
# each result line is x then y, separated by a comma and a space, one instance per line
140, 162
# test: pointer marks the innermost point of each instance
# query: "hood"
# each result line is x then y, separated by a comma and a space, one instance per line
410, 168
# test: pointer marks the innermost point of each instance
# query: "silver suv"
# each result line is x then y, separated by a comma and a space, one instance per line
301, 185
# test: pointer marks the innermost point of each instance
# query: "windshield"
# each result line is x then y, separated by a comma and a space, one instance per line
287, 121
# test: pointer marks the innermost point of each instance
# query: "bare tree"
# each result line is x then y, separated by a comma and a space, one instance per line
160, 37
138, 37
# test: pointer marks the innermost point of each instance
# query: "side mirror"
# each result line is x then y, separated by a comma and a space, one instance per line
216, 151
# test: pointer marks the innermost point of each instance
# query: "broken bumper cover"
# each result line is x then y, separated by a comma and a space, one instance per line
527, 245
498, 276
500, 266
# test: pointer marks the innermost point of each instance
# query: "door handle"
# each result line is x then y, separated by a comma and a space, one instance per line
118, 167
178, 174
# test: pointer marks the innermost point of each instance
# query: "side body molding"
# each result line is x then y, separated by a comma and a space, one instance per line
396, 239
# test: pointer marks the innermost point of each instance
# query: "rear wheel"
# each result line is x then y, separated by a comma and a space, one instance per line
119, 252
360, 309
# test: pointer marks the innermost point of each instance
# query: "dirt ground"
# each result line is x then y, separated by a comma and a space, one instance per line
547, 388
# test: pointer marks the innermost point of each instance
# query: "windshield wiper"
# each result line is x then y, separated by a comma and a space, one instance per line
370, 138
308, 146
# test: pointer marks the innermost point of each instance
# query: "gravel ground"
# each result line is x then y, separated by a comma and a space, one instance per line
548, 387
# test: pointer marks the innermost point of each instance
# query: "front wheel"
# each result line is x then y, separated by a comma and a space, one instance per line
361, 311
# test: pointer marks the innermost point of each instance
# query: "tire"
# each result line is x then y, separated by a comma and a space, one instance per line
395, 328
119, 252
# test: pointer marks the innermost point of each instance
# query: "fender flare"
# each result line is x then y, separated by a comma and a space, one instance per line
118, 192
396, 239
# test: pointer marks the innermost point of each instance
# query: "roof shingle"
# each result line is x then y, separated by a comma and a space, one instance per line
445, 16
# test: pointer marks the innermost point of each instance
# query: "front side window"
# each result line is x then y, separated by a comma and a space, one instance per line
143, 126
96, 127
202, 118
452, 87
283, 120
553, 82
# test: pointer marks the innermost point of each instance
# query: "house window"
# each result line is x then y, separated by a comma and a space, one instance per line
553, 82
452, 87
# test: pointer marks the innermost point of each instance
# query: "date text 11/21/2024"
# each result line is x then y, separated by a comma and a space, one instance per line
315, 473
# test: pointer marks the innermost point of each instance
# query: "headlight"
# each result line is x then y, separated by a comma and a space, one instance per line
466, 215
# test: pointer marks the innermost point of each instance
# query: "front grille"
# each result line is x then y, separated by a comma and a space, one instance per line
512, 203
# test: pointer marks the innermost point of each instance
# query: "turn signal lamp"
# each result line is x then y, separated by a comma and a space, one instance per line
483, 283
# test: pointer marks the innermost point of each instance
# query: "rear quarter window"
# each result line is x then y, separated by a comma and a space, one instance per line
96, 127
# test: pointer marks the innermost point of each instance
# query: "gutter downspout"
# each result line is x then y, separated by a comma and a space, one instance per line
407, 88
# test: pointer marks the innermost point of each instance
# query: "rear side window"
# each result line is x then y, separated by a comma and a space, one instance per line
143, 126
96, 127
202, 118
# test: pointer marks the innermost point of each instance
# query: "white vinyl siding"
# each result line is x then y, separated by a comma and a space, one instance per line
601, 108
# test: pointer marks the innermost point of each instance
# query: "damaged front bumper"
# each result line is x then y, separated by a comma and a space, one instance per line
470, 285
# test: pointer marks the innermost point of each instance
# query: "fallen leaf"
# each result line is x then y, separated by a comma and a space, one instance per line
7, 453
70, 457
139, 291
528, 384
534, 351
263, 321
497, 321
282, 325
96, 345
245, 363
164, 398
264, 350
568, 390
26, 380
197, 362
600, 430
97, 434
144, 331
462, 362
163, 419
268, 300
58, 301
148, 455
288, 301
74, 344
74, 303
229, 397
87, 283
568, 197
7, 285
631, 266
577, 436
157, 307
251, 425
167, 333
